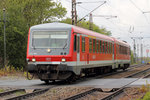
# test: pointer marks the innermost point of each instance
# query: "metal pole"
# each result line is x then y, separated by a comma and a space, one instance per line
90, 22
137, 52
74, 13
141, 50
134, 46
4, 19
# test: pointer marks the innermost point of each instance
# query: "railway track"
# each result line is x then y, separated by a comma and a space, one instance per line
121, 90
112, 94
140, 74
127, 73
147, 76
11, 92
18, 95
107, 95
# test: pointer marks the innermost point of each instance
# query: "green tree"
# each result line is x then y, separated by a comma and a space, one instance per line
132, 58
21, 14
85, 24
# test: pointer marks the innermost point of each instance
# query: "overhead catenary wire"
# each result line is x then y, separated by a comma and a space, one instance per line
91, 11
91, 2
118, 17
140, 11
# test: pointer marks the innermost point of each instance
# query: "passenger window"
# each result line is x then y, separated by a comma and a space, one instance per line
75, 43
113, 48
78, 44
97, 46
103, 46
100, 46
94, 45
119, 49
108, 48
90, 45
83, 44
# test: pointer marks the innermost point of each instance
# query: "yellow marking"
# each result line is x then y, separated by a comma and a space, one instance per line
92, 37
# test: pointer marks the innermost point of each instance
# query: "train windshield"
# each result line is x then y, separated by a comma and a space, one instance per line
49, 39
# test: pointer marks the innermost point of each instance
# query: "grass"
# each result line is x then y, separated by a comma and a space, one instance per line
146, 89
11, 71
7, 71
20, 93
147, 96
1, 90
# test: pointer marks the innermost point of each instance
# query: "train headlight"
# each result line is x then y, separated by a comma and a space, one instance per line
33, 59
63, 60
48, 50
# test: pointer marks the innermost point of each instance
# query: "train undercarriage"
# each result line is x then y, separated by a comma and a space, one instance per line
63, 72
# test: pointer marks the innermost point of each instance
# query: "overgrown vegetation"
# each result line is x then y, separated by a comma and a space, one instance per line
147, 96
145, 89
10, 71
132, 58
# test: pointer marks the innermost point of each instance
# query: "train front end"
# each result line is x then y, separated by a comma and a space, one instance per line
48, 51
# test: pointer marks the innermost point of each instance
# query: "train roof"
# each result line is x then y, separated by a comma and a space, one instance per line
54, 25
91, 33
64, 26
57, 25
121, 42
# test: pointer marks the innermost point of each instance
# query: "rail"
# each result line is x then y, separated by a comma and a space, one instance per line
135, 74
26, 96
77, 96
11, 92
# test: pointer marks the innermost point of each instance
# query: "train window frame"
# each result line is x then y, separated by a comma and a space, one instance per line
78, 44
97, 46
33, 34
75, 43
83, 44
100, 46
119, 49
111, 48
108, 47
94, 45
103, 45
90, 45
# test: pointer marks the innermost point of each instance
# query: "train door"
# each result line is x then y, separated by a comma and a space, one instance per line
87, 45
113, 52
113, 55
78, 49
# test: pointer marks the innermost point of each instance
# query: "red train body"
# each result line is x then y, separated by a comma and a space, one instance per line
58, 51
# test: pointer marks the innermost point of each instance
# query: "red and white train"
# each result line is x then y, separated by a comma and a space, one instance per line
58, 51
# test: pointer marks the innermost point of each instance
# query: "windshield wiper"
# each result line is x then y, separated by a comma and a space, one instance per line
65, 45
33, 46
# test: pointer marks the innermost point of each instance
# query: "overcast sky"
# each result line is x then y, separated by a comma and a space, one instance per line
130, 21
